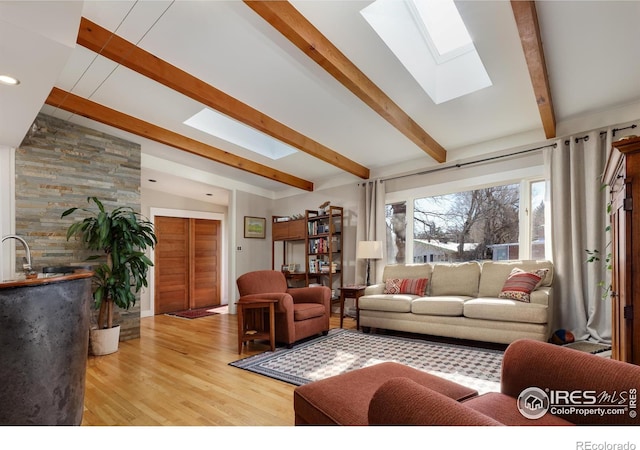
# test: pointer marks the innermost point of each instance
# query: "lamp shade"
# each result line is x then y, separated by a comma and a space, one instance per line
369, 250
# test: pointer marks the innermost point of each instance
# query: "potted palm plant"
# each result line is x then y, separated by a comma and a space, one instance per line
121, 236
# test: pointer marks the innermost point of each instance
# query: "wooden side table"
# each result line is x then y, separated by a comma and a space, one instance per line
354, 292
251, 322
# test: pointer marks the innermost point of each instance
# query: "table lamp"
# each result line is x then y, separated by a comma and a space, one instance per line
369, 250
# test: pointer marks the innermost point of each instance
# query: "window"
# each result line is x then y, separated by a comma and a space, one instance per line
537, 219
442, 27
431, 41
502, 222
224, 127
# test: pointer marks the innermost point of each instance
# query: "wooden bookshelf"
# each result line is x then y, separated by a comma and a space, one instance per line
321, 234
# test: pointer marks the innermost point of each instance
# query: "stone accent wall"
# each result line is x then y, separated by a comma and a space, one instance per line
59, 165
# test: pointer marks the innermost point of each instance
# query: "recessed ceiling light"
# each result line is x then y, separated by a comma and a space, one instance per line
9, 80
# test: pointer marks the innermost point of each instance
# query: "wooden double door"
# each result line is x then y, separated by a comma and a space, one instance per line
187, 264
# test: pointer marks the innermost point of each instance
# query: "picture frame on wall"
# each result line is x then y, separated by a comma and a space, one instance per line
255, 227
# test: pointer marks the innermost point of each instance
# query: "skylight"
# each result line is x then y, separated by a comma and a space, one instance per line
431, 40
442, 26
230, 130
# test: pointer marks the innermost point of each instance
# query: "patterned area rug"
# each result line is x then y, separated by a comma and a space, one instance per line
345, 350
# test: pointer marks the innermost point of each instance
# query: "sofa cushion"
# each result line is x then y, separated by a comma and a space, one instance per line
520, 284
505, 310
387, 302
455, 279
439, 306
304, 311
495, 274
417, 286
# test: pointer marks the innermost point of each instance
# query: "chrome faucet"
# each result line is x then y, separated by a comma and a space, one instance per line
27, 265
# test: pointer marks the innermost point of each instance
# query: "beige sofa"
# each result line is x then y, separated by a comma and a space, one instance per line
462, 301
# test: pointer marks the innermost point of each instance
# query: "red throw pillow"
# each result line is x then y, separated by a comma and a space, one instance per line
417, 286
520, 284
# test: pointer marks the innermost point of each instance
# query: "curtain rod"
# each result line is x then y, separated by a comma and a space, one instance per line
478, 161
602, 133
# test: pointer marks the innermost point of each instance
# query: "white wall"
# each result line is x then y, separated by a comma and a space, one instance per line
251, 253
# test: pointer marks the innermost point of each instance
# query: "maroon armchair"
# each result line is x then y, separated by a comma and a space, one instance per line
300, 312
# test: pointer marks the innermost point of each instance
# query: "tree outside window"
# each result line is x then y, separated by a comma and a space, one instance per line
537, 219
480, 224
473, 225
396, 219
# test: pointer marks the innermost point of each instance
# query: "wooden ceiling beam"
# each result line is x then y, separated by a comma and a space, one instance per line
121, 51
529, 30
285, 18
67, 101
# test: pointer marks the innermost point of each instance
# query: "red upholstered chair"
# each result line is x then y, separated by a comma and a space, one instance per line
300, 312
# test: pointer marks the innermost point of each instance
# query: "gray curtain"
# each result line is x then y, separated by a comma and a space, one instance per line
578, 223
371, 226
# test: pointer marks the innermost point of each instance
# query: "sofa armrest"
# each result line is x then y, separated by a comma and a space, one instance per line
543, 296
285, 302
402, 401
528, 363
374, 289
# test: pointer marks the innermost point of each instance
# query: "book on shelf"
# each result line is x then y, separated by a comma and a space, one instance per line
313, 265
316, 227
328, 268
319, 245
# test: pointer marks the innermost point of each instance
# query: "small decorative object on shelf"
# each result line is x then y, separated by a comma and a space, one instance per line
324, 207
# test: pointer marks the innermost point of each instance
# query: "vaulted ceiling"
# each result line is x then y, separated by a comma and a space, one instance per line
312, 74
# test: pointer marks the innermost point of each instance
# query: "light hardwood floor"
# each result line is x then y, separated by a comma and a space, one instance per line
177, 374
